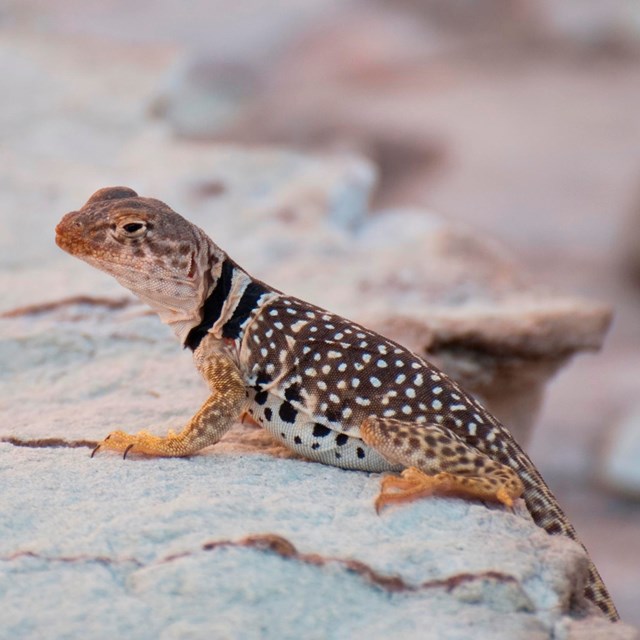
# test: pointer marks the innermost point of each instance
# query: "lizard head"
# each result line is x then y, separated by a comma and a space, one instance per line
149, 248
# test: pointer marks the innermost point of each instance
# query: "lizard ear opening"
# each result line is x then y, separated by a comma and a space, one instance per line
111, 193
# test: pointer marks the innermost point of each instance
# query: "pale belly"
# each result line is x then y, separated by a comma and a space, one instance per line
314, 440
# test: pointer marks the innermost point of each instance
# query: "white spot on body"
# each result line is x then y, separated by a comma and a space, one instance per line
278, 325
437, 405
334, 398
326, 369
406, 409
322, 385
381, 364
388, 413
375, 382
310, 371
334, 354
410, 392
342, 367
363, 402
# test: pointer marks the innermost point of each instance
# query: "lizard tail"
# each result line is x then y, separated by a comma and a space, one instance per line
548, 515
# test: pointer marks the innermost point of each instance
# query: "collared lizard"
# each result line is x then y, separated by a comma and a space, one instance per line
327, 388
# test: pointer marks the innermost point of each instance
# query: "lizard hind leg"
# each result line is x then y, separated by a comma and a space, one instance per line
437, 462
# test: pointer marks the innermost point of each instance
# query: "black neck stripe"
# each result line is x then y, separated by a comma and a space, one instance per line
247, 304
212, 307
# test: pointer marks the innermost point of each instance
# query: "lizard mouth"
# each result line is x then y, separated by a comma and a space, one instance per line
68, 232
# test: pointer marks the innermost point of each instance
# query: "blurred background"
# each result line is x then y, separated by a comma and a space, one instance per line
519, 118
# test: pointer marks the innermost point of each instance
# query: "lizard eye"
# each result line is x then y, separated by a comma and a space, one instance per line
134, 229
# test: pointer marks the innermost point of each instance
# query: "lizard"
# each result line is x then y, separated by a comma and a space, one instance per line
325, 387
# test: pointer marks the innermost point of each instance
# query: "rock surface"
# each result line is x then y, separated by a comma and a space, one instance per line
256, 547
241, 537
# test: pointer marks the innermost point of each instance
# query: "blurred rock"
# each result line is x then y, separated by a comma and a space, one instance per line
199, 95
493, 18
620, 469
313, 96
612, 26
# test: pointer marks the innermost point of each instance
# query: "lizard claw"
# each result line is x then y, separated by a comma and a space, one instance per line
95, 450
124, 455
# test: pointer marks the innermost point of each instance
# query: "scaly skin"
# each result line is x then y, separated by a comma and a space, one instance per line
326, 387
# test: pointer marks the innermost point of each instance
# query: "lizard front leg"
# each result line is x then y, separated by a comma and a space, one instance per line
438, 463
215, 417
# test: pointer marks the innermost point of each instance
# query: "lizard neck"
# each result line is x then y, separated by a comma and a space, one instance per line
233, 297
